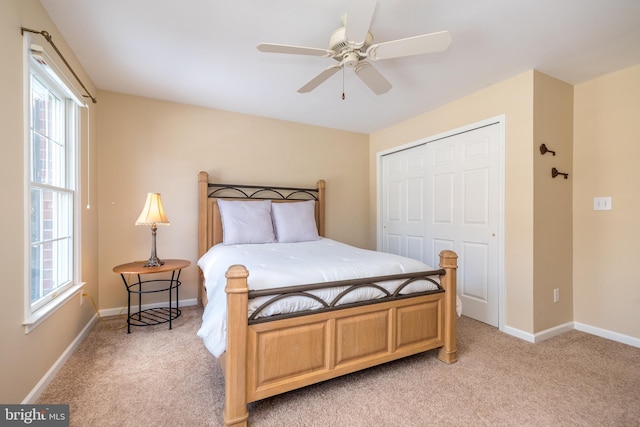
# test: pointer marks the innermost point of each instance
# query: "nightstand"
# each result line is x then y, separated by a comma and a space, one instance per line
151, 316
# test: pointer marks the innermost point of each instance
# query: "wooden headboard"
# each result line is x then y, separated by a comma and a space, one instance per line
210, 223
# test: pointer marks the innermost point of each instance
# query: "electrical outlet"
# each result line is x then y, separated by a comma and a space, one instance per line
602, 204
556, 295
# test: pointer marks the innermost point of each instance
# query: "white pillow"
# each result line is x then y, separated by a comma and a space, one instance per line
246, 222
295, 221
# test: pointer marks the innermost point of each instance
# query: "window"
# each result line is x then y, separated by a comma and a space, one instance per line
53, 214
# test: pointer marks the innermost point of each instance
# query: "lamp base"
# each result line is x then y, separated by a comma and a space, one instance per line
154, 262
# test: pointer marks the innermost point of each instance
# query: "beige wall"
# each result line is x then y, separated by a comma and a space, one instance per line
514, 98
552, 253
25, 358
606, 243
153, 146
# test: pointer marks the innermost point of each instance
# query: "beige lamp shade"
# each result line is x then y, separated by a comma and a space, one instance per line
153, 212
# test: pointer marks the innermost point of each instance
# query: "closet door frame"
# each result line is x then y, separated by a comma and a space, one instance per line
500, 122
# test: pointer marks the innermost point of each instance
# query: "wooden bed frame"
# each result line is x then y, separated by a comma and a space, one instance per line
267, 358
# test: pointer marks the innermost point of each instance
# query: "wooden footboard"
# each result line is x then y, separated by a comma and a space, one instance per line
273, 357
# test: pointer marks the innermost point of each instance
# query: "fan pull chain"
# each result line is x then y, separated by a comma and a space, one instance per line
343, 83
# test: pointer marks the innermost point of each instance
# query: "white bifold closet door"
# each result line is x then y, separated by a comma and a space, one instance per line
445, 195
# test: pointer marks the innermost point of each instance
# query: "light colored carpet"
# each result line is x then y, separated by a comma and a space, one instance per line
158, 377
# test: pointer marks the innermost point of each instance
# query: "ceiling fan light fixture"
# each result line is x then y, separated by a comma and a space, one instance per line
350, 59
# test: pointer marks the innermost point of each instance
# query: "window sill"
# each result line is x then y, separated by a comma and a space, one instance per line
39, 316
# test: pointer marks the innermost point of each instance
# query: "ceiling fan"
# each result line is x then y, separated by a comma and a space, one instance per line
352, 46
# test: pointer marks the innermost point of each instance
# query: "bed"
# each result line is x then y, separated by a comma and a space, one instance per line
330, 331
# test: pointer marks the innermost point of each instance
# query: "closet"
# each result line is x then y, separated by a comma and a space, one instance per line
446, 193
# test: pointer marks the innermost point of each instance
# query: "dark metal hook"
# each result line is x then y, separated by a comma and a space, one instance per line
554, 173
544, 150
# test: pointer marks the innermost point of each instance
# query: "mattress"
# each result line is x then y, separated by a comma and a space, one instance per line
273, 265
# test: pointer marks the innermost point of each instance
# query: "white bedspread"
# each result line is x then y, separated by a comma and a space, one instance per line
285, 264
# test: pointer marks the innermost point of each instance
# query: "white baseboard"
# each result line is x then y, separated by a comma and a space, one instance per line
123, 310
526, 336
552, 332
561, 329
51, 373
604, 333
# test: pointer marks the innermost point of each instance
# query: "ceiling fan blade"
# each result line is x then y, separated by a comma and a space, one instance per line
418, 45
295, 50
372, 77
320, 78
358, 21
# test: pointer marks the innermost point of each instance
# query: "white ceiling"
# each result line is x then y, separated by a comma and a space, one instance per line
203, 52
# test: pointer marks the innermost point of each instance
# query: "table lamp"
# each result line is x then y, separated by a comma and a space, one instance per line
153, 214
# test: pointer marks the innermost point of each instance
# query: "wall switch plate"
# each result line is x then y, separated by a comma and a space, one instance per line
602, 203
556, 295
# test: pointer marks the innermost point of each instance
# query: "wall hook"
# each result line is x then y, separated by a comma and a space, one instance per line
554, 173
544, 150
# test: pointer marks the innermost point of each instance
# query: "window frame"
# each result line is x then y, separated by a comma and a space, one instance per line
50, 76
